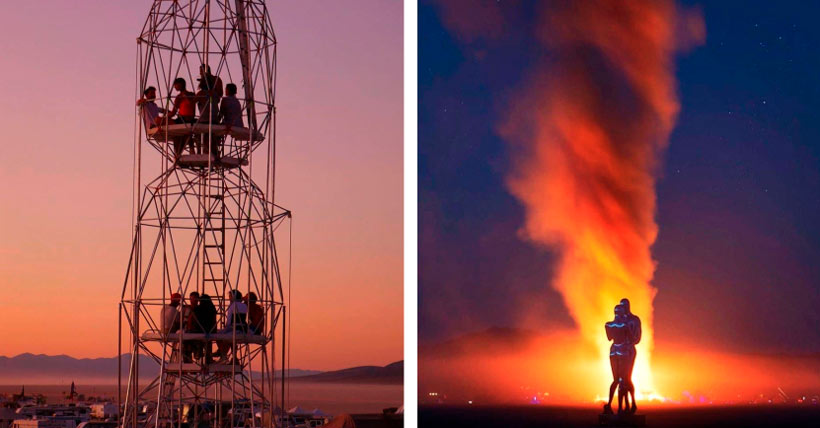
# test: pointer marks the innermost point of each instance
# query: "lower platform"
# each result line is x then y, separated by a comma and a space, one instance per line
205, 160
153, 335
172, 367
166, 133
621, 420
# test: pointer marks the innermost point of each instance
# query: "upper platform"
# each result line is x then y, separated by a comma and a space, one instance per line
165, 133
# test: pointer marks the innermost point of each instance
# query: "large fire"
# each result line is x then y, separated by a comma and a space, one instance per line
590, 133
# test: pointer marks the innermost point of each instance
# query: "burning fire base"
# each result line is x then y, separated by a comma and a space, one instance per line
621, 420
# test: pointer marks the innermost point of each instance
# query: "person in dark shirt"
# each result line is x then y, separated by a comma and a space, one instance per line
230, 110
256, 315
191, 348
205, 316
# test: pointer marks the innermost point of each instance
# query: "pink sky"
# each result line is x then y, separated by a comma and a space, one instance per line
67, 77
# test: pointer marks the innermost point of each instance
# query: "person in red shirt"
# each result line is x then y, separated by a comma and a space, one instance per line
184, 106
185, 111
256, 314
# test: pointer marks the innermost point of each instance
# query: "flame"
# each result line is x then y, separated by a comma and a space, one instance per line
589, 131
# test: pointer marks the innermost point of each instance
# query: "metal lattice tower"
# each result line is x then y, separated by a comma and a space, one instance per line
204, 225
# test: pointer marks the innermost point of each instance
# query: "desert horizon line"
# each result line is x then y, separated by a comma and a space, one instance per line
128, 354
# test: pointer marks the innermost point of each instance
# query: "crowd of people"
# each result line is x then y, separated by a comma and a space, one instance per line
243, 315
206, 99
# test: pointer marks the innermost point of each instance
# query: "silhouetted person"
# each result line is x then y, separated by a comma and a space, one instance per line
621, 358
230, 110
633, 324
208, 114
205, 314
256, 314
213, 84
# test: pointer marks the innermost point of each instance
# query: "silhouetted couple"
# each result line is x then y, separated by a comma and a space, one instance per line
625, 332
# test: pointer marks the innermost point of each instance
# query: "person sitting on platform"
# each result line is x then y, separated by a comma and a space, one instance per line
184, 110
256, 314
230, 111
169, 317
236, 322
150, 110
205, 315
183, 103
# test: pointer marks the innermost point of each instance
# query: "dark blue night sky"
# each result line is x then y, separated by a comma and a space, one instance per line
738, 253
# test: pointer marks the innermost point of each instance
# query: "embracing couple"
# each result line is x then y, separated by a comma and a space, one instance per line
625, 332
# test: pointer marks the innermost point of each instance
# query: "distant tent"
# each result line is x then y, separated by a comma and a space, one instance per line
401, 410
298, 411
342, 421
318, 413
266, 415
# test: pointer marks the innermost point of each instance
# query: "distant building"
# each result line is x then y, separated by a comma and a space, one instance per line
37, 423
7, 416
103, 410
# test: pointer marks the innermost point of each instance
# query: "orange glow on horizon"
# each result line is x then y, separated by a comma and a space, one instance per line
499, 370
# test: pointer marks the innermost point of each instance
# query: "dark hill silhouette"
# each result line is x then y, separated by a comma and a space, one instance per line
53, 369
390, 374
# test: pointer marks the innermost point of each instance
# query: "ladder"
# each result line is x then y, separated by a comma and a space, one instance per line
213, 228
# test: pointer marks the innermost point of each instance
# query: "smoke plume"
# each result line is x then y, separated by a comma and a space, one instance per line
589, 131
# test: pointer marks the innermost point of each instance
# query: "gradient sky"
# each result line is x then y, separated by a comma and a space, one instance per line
738, 197
68, 79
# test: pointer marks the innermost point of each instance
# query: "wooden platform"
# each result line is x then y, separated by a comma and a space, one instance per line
621, 420
165, 133
156, 336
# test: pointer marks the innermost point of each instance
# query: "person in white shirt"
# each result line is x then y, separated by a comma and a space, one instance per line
169, 317
236, 320
150, 110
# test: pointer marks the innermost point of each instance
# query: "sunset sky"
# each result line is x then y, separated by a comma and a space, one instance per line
737, 191
66, 166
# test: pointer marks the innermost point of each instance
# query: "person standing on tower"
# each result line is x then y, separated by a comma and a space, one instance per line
213, 83
191, 348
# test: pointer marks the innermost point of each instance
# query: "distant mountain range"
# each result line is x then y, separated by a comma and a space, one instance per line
31, 369
390, 374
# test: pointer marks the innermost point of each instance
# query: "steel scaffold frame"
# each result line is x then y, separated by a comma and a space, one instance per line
206, 226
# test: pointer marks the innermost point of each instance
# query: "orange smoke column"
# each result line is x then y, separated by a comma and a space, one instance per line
591, 130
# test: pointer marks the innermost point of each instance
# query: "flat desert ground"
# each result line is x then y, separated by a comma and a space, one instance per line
659, 417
